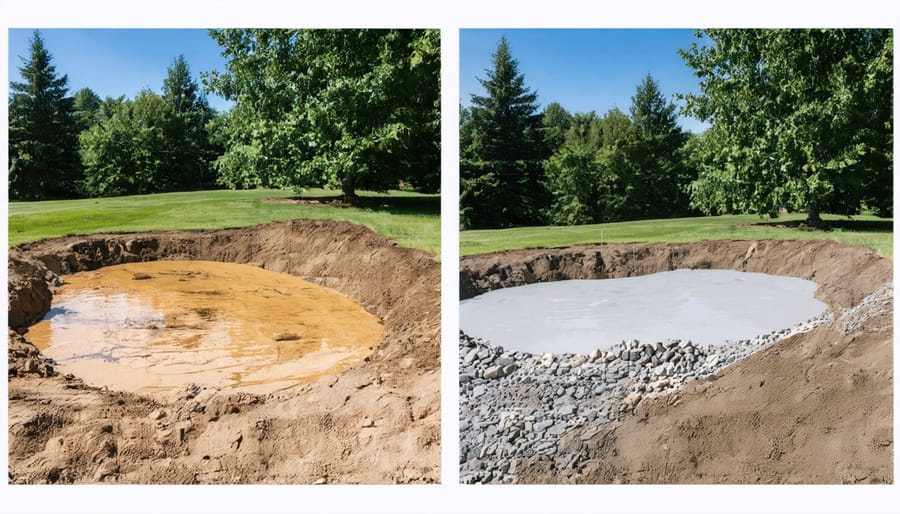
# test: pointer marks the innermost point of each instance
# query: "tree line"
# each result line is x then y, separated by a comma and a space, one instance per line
342, 109
800, 120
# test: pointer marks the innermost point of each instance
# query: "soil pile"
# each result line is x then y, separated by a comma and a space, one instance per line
378, 422
813, 408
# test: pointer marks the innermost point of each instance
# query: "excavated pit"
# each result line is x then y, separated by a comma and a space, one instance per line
812, 405
376, 422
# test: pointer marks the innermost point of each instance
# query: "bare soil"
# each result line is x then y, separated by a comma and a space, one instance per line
814, 408
378, 422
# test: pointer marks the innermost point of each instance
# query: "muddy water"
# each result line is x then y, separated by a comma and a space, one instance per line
158, 326
704, 306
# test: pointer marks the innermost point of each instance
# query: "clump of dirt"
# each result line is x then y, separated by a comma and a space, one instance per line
378, 422
814, 408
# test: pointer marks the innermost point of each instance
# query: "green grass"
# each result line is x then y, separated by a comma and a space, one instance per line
411, 219
868, 231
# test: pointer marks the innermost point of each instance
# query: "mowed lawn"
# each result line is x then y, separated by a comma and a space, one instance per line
868, 231
411, 219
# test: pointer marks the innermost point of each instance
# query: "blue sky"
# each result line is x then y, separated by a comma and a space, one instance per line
115, 62
584, 69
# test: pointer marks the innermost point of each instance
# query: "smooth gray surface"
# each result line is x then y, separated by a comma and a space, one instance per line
577, 316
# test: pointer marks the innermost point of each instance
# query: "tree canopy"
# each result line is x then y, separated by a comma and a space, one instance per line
579, 178
335, 108
556, 120
43, 158
151, 144
800, 118
520, 167
620, 166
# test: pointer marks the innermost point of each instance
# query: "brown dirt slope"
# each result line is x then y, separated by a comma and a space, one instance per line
815, 408
376, 423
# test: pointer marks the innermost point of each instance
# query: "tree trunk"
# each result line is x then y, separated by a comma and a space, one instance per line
348, 190
812, 214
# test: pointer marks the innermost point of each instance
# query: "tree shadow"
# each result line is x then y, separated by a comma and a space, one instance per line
401, 204
830, 225
427, 205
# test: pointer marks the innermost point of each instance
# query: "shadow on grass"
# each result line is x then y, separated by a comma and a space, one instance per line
430, 205
401, 204
830, 225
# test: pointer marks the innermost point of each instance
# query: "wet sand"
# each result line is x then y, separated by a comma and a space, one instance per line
157, 326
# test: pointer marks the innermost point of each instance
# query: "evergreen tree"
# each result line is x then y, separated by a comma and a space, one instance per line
657, 176
87, 108
556, 121
151, 144
650, 113
180, 90
43, 157
190, 155
501, 151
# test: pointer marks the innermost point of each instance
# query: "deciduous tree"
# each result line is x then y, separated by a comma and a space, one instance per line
586, 174
335, 108
129, 152
801, 118
556, 121
87, 108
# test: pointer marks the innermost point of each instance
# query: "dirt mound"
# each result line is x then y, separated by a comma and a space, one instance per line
814, 408
376, 423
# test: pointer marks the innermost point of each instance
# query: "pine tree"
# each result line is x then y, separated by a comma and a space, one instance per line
87, 108
43, 156
191, 155
180, 90
556, 122
657, 174
501, 151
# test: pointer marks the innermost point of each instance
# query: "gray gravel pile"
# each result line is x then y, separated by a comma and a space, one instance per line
876, 304
516, 404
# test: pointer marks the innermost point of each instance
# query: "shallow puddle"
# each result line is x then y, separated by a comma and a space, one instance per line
577, 316
157, 326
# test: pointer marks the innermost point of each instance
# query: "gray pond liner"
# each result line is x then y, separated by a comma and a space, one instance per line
707, 307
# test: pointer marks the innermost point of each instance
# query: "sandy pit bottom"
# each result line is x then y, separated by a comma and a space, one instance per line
160, 326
